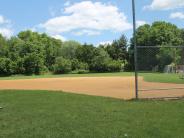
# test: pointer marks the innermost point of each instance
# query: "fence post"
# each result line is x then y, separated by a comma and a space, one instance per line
135, 49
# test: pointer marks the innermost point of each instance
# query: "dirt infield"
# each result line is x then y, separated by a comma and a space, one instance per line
116, 87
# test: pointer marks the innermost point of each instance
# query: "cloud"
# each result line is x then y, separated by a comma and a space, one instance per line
105, 43
177, 15
59, 37
86, 32
165, 4
5, 27
140, 23
90, 17
6, 32
3, 20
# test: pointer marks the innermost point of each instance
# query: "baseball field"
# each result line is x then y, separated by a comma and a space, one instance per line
36, 106
115, 85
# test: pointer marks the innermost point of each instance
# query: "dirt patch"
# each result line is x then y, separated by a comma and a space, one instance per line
116, 87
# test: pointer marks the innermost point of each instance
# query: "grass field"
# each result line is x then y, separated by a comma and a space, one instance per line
150, 77
44, 114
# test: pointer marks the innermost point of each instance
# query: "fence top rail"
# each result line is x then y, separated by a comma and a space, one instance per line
160, 46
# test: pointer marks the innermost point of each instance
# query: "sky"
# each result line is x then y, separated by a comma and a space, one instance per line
87, 21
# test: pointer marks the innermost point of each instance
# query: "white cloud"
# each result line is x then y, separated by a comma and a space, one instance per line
177, 15
105, 43
165, 4
59, 37
86, 32
140, 23
5, 27
90, 17
6, 32
3, 20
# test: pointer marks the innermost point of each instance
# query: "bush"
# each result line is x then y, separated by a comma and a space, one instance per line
62, 65
34, 64
114, 66
83, 66
106, 66
77, 65
82, 71
98, 65
6, 66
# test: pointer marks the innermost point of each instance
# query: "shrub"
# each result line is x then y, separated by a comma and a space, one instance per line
77, 65
83, 66
99, 66
6, 66
62, 65
34, 64
114, 66
82, 71
106, 66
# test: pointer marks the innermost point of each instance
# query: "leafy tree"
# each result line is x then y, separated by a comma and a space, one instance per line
158, 34
86, 53
114, 66
68, 49
3, 47
52, 50
182, 44
14, 48
100, 61
118, 49
41, 44
62, 65
77, 65
6, 66
33, 64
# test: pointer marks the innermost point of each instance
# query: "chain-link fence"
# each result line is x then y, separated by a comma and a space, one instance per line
160, 71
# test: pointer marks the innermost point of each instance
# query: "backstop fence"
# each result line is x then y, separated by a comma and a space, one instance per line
160, 71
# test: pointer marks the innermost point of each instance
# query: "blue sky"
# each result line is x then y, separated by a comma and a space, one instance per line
85, 21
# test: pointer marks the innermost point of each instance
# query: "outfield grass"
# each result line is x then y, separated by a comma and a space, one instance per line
162, 77
67, 75
150, 77
43, 114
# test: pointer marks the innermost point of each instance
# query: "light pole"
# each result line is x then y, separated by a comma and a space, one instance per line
135, 49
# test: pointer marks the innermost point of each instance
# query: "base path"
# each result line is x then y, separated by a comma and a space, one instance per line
116, 87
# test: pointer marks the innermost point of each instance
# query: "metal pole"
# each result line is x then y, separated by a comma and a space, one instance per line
135, 49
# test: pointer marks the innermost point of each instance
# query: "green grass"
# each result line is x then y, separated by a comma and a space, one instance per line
162, 77
43, 114
68, 75
150, 77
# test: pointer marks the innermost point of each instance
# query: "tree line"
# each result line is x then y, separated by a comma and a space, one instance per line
34, 53
162, 42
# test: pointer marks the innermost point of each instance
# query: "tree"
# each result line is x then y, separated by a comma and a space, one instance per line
34, 64
118, 49
182, 50
68, 49
62, 65
3, 47
158, 34
86, 53
42, 44
14, 48
100, 61
6, 66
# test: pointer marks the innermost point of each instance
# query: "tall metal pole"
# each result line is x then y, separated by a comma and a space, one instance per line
135, 49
